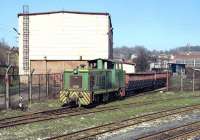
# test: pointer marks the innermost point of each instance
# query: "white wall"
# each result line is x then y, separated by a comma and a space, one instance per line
129, 68
65, 36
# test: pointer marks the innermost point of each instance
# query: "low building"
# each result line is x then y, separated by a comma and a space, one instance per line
129, 67
177, 68
190, 59
159, 66
161, 63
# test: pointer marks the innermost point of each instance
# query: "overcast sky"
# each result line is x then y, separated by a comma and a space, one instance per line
156, 24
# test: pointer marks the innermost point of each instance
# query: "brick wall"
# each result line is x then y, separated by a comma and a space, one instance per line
54, 66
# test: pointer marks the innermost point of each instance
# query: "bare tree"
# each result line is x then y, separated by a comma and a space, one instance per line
3, 50
13, 56
142, 60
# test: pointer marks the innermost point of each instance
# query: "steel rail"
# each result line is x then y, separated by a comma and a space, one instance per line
192, 133
68, 112
173, 133
110, 127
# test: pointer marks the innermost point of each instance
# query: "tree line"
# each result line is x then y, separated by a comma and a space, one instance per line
144, 56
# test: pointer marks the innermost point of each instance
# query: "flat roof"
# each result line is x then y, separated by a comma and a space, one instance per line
72, 12
63, 11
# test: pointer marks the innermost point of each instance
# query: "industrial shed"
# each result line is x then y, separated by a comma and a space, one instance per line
54, 41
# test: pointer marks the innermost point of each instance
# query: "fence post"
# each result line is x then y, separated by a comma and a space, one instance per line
167, 80
47, 85
39, 86
61, 81
193, 77
155, 85
7, 91
181, 79
7, 87
19, 85
30, 86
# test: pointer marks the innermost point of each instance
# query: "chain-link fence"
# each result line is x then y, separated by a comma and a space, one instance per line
189, 80
2, 90
30, 88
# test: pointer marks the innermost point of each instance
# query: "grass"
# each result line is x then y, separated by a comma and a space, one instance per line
155, 96
70, 124
34, 107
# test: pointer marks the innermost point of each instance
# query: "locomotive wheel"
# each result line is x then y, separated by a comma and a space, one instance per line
105, 97
121, 93
97, 99
79, 103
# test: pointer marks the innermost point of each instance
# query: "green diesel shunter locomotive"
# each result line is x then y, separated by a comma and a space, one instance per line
102, 80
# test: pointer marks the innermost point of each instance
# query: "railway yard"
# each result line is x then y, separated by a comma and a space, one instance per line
133, 116
67, 77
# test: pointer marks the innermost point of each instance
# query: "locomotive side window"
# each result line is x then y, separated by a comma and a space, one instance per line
110, 65
93, 65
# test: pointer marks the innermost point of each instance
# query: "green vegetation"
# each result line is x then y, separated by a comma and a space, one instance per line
66, 125
34, 107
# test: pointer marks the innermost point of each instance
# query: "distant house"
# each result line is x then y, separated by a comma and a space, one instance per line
129, 67
190, 59
133, 56
161, 63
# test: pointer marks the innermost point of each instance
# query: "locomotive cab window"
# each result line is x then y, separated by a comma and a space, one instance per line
111, 65
76, 82
93, 65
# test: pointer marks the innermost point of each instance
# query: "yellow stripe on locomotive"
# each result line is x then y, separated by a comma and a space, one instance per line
76, 96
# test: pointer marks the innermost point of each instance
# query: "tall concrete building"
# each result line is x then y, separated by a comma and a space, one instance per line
54, 41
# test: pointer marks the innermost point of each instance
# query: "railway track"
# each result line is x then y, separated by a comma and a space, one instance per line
92, 132
69, 112
179, 132
188, 135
